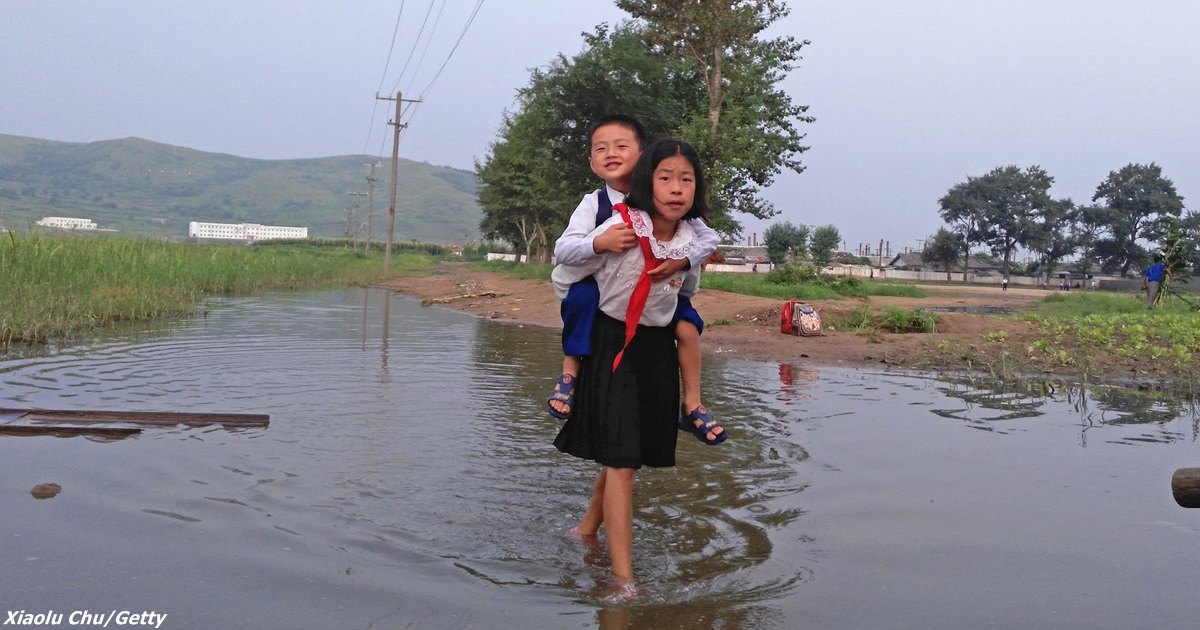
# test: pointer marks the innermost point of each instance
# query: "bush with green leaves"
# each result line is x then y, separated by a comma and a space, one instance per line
792, 273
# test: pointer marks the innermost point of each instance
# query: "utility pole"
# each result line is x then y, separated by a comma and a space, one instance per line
396, 125
356, 195
370, 204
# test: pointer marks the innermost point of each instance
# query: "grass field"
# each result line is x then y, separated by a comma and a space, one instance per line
57, 286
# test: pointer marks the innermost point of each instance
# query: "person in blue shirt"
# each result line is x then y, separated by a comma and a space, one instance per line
1152, 279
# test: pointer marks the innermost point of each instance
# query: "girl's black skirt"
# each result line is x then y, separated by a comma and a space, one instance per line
627, 418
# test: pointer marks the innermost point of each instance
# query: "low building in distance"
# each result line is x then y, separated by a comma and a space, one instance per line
243, 231
68, 223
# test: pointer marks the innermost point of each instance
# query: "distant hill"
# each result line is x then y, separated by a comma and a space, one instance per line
144, 188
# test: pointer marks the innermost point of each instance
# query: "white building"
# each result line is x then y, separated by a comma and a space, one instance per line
243, 231
68, 223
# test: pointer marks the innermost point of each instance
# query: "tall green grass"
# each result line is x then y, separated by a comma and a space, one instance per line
802, 283
57, 286
864, 319
1083, 303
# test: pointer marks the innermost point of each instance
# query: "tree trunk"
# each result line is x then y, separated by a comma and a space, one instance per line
716, 96
544, 255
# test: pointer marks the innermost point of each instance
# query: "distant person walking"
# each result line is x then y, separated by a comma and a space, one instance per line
1004, 284
1152, 279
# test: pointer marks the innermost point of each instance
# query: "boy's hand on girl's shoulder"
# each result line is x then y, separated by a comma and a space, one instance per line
615, 239
667, 268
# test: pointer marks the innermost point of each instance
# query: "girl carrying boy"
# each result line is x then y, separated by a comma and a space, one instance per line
627, 394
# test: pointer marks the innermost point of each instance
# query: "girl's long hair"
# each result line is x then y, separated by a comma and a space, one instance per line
641, 189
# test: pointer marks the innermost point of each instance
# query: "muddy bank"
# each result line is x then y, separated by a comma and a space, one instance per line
979, 328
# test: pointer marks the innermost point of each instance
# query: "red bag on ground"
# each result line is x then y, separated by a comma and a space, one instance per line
787, 323
799, 319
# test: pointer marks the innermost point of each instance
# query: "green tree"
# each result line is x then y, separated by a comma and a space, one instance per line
1086, 233
1055, 235
697, 70
1138, 200
518, 203
747, 131
1175, 259
537, 170
943, 249
824, 240
1001, 209
1189, 227
962, 208
618, 72
1014, 200
784, 238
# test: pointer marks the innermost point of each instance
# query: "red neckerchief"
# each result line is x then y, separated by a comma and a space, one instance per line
641, 290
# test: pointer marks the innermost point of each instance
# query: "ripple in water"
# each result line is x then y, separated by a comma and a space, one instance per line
409, 459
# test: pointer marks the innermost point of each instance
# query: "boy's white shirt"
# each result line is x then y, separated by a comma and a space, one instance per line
616, 274
574, 247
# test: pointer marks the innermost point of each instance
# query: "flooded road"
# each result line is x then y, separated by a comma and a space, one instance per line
407, 480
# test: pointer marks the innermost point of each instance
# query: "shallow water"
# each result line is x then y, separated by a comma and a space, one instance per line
407, 481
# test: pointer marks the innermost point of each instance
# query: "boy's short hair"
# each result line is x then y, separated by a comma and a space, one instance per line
628, 122
641, 189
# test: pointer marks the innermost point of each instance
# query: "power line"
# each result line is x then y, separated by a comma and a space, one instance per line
416, 42
471, 20
387, 62
391, 47
411, 111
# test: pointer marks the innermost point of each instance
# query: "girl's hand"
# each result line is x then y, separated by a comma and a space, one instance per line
666, 269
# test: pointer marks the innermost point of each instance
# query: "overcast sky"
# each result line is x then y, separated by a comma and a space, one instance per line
911, 96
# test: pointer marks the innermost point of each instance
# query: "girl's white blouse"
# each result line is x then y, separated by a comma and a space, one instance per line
616, 274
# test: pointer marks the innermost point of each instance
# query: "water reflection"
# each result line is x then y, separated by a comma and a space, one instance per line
408, 479
991, 402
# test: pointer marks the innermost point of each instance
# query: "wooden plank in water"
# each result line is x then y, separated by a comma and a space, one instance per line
9, 415
114, 423
160, 418
62, 431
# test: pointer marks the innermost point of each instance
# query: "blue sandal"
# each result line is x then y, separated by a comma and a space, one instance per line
564, 392
687, 422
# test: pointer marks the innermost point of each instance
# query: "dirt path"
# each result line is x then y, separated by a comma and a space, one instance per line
746, 326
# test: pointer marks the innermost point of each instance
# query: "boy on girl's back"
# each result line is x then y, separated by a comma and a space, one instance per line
615, 144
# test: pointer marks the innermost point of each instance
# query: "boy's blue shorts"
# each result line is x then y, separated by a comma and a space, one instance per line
685, 312
579, 313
